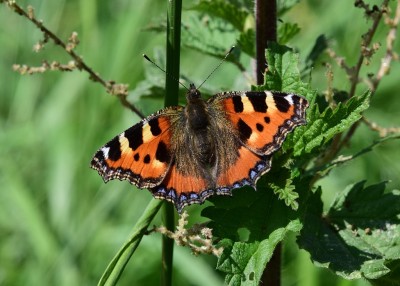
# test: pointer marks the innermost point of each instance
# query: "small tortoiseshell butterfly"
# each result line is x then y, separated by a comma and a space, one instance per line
186, 154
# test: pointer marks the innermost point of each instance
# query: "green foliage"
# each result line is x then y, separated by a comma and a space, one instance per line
211, 36
358, 236
283, 73
225, 10
267, 214
239, 15
322, 127
250, 224
287, 31
244, 263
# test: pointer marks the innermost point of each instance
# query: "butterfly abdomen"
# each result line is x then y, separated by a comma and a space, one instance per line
198, 127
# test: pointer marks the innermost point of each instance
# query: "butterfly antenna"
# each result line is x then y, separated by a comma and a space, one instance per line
147, 58
227, 54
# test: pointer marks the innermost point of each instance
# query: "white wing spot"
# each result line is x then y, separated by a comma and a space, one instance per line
289, 98
105, 151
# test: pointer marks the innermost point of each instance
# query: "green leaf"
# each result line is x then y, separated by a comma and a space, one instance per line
148, 95
287, 31
360, 234
246, 42
244, 263
231, 13
323, 127
286, 192
392, 278
211, 36
282, 180
282, 72
234, 14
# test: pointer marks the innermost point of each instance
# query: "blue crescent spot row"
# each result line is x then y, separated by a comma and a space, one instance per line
187, 199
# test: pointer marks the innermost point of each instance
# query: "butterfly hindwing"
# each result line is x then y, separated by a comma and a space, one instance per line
246, 170
183, 189
142, 153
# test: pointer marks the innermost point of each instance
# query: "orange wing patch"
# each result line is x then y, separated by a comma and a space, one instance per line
263, 119
182, 190
245, 171
140, 155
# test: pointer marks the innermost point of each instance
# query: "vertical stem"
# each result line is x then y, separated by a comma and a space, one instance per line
272, 273
266, 22
167, 246
174, 9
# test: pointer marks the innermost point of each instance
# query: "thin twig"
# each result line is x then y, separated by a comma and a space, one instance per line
329, 91
383, 131
24, 69
390, 54
198, 238
367, 39
323, 170
120, 90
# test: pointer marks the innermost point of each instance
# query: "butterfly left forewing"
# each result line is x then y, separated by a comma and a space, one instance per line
257, 123
262, 119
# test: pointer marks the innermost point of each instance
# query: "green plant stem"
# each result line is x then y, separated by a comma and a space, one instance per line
266, 23
167, 246
272, 273
174, 11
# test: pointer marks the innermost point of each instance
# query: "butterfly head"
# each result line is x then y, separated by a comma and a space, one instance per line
193, 93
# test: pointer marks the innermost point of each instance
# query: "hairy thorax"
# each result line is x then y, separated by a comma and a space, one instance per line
201, 140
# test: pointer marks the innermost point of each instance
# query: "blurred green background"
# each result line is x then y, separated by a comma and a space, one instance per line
59, 223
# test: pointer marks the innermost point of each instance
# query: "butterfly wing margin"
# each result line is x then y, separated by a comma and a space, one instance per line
141, 154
